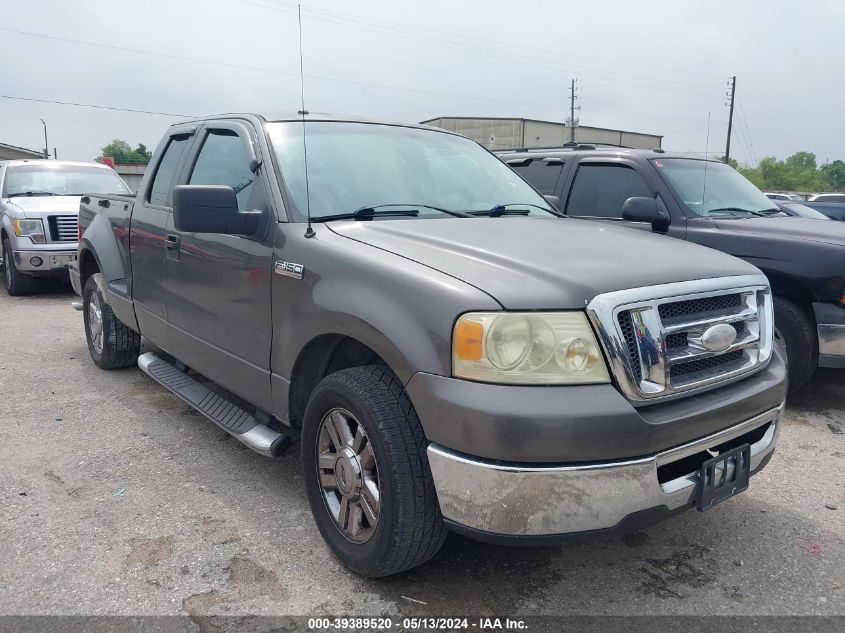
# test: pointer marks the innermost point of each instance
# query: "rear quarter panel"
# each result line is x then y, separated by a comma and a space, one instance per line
105, 225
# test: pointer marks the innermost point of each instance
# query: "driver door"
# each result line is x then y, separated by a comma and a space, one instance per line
219, 298
599, 189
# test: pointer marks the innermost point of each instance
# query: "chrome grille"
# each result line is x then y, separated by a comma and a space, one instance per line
678, 310
63, 228
655, 339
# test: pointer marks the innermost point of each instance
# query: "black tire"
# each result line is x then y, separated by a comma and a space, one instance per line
798, 335
410, 528
17, 283
120, 344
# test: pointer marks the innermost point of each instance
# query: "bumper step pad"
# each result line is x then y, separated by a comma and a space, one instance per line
229, 416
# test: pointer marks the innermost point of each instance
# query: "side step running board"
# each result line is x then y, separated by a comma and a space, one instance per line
240, 424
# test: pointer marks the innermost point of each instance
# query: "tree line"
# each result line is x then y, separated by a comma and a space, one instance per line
123, 154
800, 172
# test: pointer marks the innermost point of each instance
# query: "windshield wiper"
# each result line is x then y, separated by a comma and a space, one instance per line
383, 210
502, 209
33, 193
763, 213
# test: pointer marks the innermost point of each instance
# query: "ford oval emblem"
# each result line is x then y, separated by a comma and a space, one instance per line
718, 338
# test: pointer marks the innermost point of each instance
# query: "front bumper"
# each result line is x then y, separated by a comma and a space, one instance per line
830, 320
512, 502
51, 261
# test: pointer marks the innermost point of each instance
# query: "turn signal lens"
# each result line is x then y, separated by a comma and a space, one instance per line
469, 337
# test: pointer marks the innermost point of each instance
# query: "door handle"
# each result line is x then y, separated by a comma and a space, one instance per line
172, 242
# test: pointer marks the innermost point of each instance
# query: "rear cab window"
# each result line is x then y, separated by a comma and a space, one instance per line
162, 183
542, 173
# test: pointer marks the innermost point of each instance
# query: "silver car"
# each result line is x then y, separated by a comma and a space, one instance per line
39, 208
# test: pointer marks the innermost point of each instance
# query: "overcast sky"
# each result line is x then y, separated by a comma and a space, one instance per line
656, 67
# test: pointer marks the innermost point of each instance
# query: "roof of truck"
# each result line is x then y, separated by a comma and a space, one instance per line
312, 116
603, 150
51, 162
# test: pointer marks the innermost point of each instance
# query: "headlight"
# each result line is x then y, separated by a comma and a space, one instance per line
546, 348
33, 229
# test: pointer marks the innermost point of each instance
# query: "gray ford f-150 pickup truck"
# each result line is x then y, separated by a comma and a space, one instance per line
39, 204
449, 353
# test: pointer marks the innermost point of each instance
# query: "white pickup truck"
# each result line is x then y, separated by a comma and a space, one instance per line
39, 210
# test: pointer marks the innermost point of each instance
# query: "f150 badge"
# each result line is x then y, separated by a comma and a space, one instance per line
289, 269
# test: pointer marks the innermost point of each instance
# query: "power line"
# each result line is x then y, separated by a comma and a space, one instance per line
744, 122
619, 77
270, 70
140, 51
462, 37
92, 105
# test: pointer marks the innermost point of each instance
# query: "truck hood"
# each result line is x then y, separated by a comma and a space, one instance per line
788, 227
42, 206
535, 263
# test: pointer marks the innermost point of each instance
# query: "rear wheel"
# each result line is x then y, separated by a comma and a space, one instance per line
366, 473
111, 343
17, 283
796, 334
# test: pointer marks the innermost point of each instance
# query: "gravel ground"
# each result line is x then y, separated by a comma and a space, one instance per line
117, 499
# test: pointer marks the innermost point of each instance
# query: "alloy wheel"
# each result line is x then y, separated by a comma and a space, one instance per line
348, 474
95, 322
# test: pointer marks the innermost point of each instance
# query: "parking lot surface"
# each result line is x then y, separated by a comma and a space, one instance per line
119, 499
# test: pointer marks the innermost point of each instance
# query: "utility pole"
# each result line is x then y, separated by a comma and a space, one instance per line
732, 84
46, 144
572, 108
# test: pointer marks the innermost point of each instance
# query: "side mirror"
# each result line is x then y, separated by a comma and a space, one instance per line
642, 209
212, 209
553, 200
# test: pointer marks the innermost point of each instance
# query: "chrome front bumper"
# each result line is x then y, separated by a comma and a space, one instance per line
831, 345
519, 500
830, 319
25, 261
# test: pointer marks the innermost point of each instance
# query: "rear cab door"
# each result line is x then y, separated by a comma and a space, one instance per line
596, 188
148, 229
219, 306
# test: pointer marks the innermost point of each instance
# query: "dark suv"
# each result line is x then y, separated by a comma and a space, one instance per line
710, 203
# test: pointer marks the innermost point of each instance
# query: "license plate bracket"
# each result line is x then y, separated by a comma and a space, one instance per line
723, 476
57, 261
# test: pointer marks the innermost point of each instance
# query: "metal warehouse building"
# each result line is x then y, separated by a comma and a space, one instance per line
511, 133
12, 152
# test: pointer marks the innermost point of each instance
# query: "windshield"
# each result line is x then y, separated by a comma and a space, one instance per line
710, 188
45, 179
352, 166
804, 211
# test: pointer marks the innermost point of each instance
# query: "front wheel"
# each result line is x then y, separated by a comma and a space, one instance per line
366, 473
111, 343
796, 333
17, 283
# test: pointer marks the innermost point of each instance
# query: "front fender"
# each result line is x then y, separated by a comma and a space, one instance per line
8, 229
403, 310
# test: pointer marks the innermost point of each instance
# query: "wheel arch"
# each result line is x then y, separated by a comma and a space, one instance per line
793, 290
325, 354
88, 264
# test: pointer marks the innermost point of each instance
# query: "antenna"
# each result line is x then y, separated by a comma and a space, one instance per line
309, 231
706, 155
